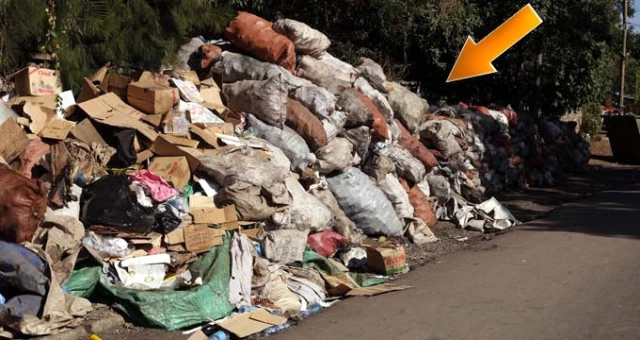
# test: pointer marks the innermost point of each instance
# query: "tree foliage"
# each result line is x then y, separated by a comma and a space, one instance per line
568, 61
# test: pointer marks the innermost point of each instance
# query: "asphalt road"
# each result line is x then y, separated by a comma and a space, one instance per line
572, 275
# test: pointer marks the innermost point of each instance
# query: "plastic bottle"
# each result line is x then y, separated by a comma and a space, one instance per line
315, 309
277, 329
219, 335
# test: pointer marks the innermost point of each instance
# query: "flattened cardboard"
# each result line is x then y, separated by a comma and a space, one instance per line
199, 238
13, 141
152, 99
207, 135
189, 75
246, 324
154, 119
86, 132
190, 143
174, 170
162, 147
35, 81
39, 116
387, 259
57, 129
377, 290
143, 156
204, 211
111, 110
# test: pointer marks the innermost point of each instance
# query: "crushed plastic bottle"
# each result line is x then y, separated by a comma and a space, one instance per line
314, 309
219, 335
277, 329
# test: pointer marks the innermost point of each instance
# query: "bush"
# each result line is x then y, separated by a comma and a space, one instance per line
591, 119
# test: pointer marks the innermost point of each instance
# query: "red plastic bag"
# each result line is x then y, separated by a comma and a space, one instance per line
326, 243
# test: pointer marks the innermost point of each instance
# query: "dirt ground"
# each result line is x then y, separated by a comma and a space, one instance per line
526, 205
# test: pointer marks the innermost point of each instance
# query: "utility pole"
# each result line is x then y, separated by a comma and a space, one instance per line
623, 60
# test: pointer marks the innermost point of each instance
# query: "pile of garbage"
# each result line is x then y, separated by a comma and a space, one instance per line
255, 183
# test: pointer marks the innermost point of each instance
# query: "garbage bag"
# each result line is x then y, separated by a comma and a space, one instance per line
392, 188
417, 149
255, 185
378, 167
343, 71
321, 75
109, 202
83, 282
407, 106
379, 124
256, 36
377, 98
284, 246
237, 67
361, 140
317, 99
305, 39
23, 202
326, 243
266, 99
185, 60
406, 165
179, 309
342, 224
291, 143
308, 126
365, 204
358, 113
423, 209
336, 156
442, 134
307, 212
373, 72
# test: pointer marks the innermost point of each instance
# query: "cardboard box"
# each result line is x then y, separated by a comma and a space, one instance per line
57, 129
174, 170
151, 98
35, 81
155, 78
387, 259
116, 83
86, 132
110, 110
189, 75
199, 238
13, 139
175, 237
204, 211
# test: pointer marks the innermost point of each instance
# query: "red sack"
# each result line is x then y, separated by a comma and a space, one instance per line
417, 149
326, 243
512, 116
23, 202
380, 128
306, 124
255, 36
422, 207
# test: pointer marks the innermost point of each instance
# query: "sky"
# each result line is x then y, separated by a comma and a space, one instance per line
635, 22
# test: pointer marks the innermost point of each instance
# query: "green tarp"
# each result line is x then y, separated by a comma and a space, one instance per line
175, 310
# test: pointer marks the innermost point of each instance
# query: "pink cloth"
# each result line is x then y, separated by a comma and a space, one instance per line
326, 243
159, 189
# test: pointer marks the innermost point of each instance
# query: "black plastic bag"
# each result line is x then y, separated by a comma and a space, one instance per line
109, 202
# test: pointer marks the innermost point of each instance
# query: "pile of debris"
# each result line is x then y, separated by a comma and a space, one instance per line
258, 181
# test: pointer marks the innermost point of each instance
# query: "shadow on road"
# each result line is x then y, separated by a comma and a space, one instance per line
612, 212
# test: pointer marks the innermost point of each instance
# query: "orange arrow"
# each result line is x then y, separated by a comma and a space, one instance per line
476, 59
